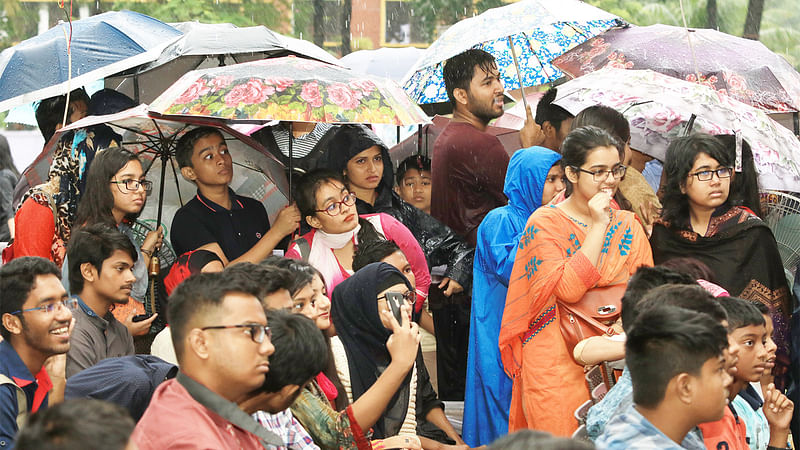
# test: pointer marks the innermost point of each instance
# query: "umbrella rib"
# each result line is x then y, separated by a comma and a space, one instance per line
177, 182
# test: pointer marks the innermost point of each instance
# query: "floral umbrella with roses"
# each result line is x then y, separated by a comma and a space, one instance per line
741, 68
288, 89
660, 108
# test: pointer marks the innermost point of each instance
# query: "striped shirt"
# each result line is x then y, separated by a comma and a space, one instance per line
302, 145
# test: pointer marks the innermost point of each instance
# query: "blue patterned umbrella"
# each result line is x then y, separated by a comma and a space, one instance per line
541, 30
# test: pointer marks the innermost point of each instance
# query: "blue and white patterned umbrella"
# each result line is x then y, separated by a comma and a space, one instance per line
541, 30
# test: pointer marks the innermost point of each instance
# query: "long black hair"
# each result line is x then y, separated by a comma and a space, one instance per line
97, 201
744, 185
6, 161
306, 197
679, 160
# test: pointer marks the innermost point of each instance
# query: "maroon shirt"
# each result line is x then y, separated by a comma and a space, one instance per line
468, 172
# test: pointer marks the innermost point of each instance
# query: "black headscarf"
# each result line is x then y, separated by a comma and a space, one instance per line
354, 311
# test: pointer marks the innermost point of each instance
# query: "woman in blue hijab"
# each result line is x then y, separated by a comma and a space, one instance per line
533, 178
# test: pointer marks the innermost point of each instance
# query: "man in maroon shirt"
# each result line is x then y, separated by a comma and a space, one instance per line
469, 164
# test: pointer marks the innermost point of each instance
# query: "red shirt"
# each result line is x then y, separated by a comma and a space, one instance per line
175, 420
468, 173
729, 432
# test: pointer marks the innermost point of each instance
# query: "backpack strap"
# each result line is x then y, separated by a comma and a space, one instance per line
22, 401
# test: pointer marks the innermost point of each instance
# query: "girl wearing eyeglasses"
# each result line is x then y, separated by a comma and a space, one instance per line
116, 191
572, 258
327, 205
699, 220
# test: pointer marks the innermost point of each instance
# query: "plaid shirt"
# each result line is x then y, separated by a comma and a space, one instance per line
632, 430
288, 428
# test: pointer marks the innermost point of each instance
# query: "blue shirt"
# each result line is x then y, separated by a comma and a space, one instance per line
12, 366
748, 406
618, 399
633, 430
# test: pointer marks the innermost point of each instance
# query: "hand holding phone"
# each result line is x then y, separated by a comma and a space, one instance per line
395, 301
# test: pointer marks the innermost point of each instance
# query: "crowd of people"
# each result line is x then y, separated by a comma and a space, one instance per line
531, 268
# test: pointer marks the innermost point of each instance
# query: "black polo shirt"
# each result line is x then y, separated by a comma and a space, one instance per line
236, 230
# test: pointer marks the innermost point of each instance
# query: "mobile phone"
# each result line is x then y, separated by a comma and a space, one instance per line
141, 317
395, 301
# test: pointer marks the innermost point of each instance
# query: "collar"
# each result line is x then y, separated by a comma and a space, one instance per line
235, 202
102, 321
19, 373
752, 398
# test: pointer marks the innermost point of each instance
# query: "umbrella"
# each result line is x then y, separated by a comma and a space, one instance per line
289, 89
257, 174
387, 62
742, 68
76, 53
206, 45
660, 108
539, 29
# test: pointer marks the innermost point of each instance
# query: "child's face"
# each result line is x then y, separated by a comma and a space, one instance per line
771, 346
416, 188
711, 395
752, 341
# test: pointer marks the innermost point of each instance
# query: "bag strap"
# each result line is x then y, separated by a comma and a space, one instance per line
22, 401
607, 329
303, 247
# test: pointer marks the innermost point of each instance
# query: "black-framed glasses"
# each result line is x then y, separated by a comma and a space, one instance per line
707, 175
133, 185
335, 208
69, 303
257, 332
600, 175
408, 296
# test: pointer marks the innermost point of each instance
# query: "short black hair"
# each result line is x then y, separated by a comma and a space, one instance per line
374, 251
17, 279
741, 313
77, 424
459, 70
666, 341
201, 294
689, 297
94, 244
540, 440
417, 162
264, 279
300, 350
693, 267
641, 282
184, 148
50, 111
546, 111
300, 273
761, 307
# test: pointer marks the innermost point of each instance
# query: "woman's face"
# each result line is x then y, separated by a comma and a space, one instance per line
365, 170
128, 201
345, 218
553, 183
399, 261
598, 159
312, 302
384, 306
709, 194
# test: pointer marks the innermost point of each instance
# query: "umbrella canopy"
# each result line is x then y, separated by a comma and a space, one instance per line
659, 107
205, 45
256, 173
99, 46
539, 29
741, 68
387, 62
290, 89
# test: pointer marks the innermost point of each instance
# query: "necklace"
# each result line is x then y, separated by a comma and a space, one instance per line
572, 218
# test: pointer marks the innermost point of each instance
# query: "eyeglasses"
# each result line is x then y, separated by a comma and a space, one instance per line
69, 303
257, 332
601, 175
335, 208
408, 296
133, 185
707, 175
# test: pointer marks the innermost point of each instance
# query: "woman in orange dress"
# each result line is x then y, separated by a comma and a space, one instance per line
568, 249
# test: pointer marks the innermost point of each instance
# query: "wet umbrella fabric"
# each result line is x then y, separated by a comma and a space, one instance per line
741, 68
659, 107
100, 45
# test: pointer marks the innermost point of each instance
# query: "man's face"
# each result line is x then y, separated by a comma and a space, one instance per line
485, 94
114, 281
45, 333
711, 390
232, 354
415, 188
211, 162
280, 299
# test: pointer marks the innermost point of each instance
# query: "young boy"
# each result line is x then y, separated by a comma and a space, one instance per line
677, 365
743, 427
234, 227
414, 181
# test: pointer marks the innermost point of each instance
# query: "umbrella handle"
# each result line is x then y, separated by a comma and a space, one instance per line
519, 76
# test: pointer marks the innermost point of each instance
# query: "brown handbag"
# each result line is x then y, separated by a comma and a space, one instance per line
593, 315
